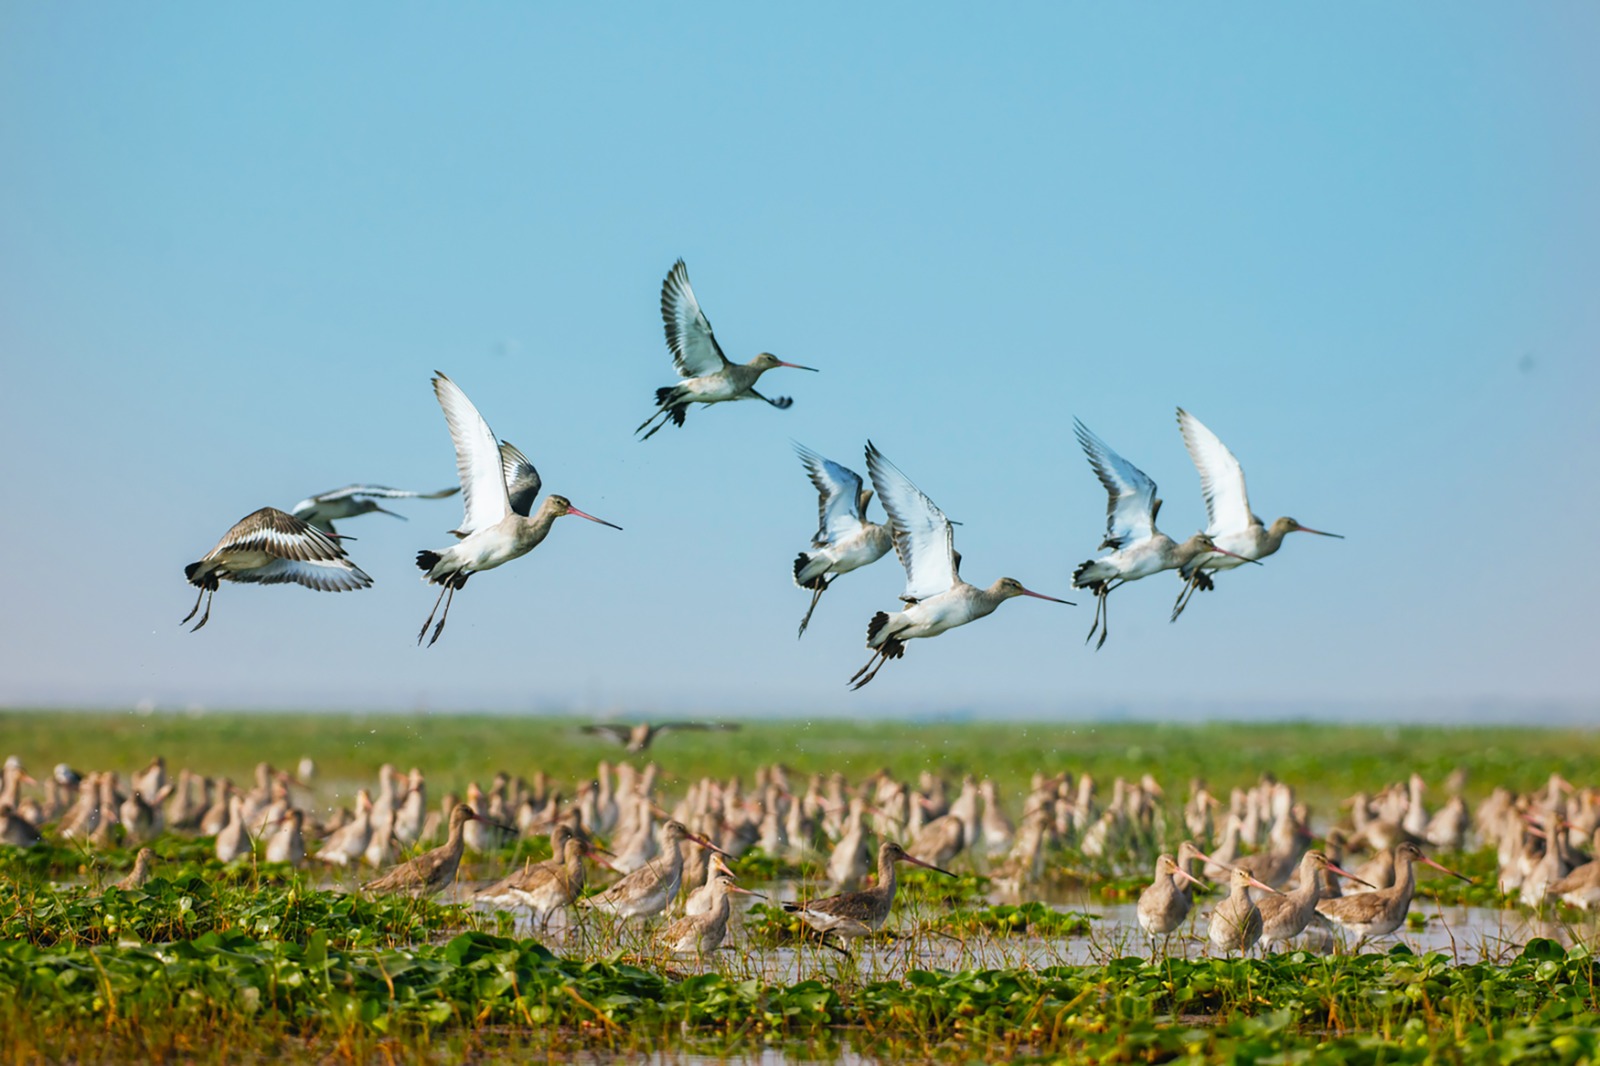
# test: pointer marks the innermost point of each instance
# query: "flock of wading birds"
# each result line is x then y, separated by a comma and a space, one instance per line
1279, 886
499, 487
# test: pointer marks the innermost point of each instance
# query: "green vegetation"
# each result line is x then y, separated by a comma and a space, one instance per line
256, 963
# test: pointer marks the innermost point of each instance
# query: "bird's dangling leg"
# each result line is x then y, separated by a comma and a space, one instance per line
861, 677
816, 594
195, 608
1183, 598
421, 632
206, 617
1105, 616
447, 602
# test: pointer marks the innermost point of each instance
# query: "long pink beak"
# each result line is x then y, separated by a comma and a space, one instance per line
1187, 876
592, 518
1042, 596
1446, 869
704, 843
1319, 532
1235, 555
797, 366
1263, 885
1342, 872
928, 865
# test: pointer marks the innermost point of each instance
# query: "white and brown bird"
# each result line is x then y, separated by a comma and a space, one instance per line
324, 508
544, 887
1138, 548
638, 736
270, 547
861, 913
143, 864
936, 598
1379, 913
1163, 905
499, 486
708, 376
650, 889
432, 871
1236, 921
845, 540
703, 931
1233, 527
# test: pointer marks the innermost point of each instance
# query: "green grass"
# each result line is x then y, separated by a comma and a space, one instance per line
253, 963
1327, 763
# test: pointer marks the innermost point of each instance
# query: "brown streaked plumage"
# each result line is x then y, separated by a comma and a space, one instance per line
650, 889
269, 547
1284, 917
703, 932
1163, 905
430, 872
857, 914
1380, 913
1236, 921
143, 863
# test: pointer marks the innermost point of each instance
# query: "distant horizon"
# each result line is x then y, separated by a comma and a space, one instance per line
1534, 713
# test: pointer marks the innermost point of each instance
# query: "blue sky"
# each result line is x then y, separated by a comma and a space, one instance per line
1358, 241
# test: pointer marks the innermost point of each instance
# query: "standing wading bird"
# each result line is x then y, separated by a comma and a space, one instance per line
1379, 913
1236, 921
858, 914
638, 737
432, 871
936, 598
322, 509
844, 540
498, 486
1139, 549
698, 358
1164, 905
1234, 528
269, 547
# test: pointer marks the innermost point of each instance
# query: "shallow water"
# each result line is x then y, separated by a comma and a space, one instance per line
1466, 934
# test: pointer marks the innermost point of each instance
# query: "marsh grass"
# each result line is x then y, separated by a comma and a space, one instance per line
254, 963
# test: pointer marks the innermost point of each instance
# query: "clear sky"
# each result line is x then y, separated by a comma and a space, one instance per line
1360, 241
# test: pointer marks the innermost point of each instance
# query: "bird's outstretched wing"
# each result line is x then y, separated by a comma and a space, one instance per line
1221, 477
478, 461
300, 552
841, 505
377, 492
923, 538
1131, 496
619, 733
522, 480
721, 727
695, 351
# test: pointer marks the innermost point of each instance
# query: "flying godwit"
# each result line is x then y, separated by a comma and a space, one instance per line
936, 598
1379, 913
1233, 527
499, 486
639, 736
432, 871
698, 358
858, 914
1139, 549
844, 540
269, 547
322, 509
